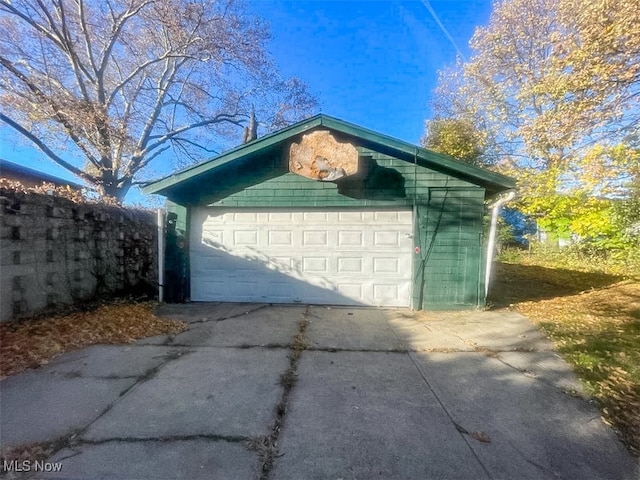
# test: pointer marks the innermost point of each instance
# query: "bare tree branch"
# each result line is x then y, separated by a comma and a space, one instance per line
59, 114
41, 145
178, 131
123, 81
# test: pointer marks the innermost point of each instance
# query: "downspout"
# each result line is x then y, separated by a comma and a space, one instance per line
495, 210
416, 230
161, 217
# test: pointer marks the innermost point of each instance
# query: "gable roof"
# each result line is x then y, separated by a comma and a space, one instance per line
493, 182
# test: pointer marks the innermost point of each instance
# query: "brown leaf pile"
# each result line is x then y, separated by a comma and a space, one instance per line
31, 343
28, 453
47, 188
44, 188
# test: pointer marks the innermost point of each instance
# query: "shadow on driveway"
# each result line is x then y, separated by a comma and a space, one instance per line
386, 394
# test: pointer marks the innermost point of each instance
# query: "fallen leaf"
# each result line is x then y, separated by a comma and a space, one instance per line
31, 343
481, 437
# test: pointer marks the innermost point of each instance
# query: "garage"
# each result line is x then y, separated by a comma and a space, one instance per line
330, 213
346, 257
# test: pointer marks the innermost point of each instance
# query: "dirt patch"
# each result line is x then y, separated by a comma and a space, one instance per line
31, 343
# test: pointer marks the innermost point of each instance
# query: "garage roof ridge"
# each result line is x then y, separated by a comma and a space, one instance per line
396, 147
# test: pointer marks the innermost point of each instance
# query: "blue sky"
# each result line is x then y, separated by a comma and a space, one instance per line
372, 63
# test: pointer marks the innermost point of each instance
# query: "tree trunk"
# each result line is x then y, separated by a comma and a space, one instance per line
110, 187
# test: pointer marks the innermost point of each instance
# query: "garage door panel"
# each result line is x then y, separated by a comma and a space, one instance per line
350, 238
385, 291
389, 216
315, 217
281, 262
386, 265
350, 265
282, 292
280, 217
351, 290
332, 257
280, 238
315, 265
244, 238
386, 239
315, 238
213, 290
347, 217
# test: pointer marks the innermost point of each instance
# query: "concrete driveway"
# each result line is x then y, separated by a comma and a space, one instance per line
304, 392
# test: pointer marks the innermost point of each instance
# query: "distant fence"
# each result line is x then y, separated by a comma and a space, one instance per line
57, 252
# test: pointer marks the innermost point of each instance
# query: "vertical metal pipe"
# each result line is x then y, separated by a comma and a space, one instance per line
161, 217
495, 210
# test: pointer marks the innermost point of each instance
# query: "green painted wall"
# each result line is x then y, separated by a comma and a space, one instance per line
448, 232
384, 181
447, 271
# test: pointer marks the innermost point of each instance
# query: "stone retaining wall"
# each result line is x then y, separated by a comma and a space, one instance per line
55, 252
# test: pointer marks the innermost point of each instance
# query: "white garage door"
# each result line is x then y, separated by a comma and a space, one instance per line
339, 257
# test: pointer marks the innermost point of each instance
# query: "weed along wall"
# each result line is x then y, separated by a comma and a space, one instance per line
56, 252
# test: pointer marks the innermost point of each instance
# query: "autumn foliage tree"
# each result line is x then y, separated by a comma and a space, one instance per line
554, 87
104, 87
457, 138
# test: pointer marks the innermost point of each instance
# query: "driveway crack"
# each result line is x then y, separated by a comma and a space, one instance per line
72, 440
267, 445
463, 432
537, 465
75, 444
528, 373
168, 438
207, 320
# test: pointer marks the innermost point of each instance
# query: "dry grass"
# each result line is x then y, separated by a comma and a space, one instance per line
31, 343
593, 318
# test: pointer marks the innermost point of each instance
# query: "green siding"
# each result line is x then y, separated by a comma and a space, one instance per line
180, 186
446, 196
449, 210
290, 190
449, 233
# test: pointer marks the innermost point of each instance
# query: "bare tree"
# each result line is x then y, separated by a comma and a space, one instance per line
104, 87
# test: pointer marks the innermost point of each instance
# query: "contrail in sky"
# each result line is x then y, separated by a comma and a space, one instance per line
433, 13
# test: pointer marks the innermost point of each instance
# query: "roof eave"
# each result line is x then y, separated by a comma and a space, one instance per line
493, 182
160, 186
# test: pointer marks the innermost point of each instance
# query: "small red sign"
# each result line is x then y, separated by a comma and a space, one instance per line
417, 249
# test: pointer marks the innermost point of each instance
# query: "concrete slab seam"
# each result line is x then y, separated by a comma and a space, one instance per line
267, 446
535, 464
73, 439
460, 429
75, 447
267, 346
196, 322
358, 350
463, 432
493, 353
529, 374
